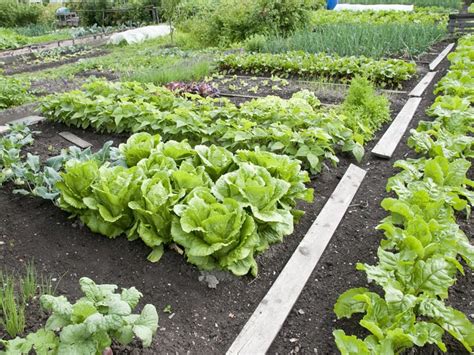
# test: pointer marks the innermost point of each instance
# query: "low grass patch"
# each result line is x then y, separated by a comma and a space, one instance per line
377, 41
184, 70
11, 38
16, 291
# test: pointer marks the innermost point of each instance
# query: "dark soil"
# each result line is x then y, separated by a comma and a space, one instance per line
205, 320
327, 93
24, 66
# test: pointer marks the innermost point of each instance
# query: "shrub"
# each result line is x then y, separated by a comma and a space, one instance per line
227, 21
12, 92
108, 13
365, 110
18, 14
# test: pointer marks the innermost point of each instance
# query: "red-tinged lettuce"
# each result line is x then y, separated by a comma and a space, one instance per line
216, 234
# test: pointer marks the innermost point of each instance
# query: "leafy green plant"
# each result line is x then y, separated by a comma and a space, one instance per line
224, 22
296, 127
29, 176
365, 110
450, 4
450, 133
172, 192
14, 13
91, 324
13, 92
418, 260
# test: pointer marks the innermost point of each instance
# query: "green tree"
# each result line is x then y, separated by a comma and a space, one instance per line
169, 9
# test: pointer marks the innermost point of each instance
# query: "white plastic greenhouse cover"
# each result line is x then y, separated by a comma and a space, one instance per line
357, 7
139, 35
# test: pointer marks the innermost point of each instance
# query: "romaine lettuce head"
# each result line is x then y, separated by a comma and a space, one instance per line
108, 212
284, 168
76, 183
188, 177
138, 147
152, 211
216, 234
216, 160
254, 188
156, 162
178, 151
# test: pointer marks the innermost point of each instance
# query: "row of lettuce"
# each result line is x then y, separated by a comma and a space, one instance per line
211, 182
424, 248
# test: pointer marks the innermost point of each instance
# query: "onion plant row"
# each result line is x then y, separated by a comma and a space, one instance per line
361, 39
420, 255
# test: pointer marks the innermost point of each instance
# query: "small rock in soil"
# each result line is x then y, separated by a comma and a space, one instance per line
210, 280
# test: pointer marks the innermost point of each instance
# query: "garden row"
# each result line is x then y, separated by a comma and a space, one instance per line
16, 91
448, 4
375, 34
385, 73
419, 258
170, 192
297, 127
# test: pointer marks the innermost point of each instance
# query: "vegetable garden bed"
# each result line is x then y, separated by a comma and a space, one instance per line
177, 183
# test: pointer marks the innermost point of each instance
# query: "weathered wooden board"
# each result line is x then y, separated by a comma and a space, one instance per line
267, 320
30, 120
420, 88
441, 56
389, 141
81, 143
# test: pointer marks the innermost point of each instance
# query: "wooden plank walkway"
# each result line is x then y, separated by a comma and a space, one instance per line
267, 320
441, 56
30, 120
420, 88
81, 143
389, 141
